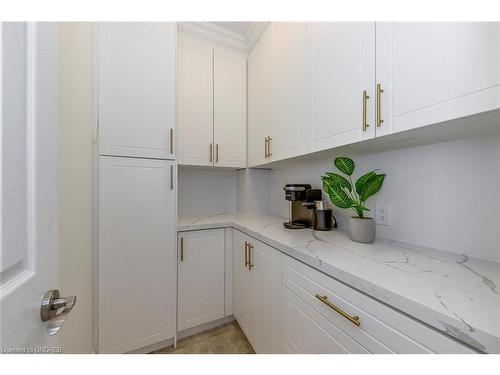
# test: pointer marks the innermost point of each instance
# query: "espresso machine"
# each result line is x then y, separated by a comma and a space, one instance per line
302, 198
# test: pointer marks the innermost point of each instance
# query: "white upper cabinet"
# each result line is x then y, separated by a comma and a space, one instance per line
288, 87
259, 100
230, 107
211, 96
137, 89
434, 72
340, 83
195, 98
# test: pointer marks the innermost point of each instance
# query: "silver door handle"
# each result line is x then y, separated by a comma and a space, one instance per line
54, 310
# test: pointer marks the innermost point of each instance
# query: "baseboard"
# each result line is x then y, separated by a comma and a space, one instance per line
183, 334
205, 327
153, 347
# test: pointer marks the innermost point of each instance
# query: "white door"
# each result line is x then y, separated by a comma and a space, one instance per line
200, 293
266, 269
195, 101
28, 136
259, 100
243, 293
288, 89
340, 68
137, 89
230, 115
137, 253
433, 72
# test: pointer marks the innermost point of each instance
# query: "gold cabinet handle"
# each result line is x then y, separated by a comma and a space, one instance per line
378, 105
265, 147
171, 177
250, 265
182, 249
352, 319
269, 142
211, 152
246, 254
365, 99
171, 140
217, 153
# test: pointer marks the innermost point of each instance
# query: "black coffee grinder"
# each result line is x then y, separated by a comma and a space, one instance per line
302, 200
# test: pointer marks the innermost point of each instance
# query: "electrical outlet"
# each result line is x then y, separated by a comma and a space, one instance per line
382, 214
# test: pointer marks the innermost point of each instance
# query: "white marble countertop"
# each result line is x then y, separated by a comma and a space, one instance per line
454, 293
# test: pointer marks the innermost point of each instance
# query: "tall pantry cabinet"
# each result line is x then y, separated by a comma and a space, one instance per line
137, 185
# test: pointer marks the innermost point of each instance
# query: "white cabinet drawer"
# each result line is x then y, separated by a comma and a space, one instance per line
381, 330
308, 332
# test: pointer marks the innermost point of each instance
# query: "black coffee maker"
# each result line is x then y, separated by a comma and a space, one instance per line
302, 198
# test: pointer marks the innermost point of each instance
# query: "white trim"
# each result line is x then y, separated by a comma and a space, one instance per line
254, 33
214, 33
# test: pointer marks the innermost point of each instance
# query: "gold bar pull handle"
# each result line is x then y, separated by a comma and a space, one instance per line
378, 105
266, 142
211, 152
171, 177
365, 99
246, 254
250, 265
217, 153
182, 249
269, 142
171, 140
352, 319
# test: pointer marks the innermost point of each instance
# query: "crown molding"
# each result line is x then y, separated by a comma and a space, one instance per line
254, 33
215, 33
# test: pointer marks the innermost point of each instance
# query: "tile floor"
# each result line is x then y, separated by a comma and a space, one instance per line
226, 339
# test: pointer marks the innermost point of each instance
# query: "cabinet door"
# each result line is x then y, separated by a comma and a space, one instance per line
266, 269
137, 89
434, 72
259, 99
340, 66
243, 293
288, 87
195, 101
230, 76
306, 331
137, 233
200, 277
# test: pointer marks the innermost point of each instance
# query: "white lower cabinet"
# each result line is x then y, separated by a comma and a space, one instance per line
319, 303
136, 260
200, 277
307, 331
257, 292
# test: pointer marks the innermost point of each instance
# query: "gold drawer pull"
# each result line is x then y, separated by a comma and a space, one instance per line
211, 152
365, 98
353, 319
378, 105
246, 254
182, 249
171, 140
250, 265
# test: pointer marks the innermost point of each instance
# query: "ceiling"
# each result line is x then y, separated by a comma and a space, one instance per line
238, 27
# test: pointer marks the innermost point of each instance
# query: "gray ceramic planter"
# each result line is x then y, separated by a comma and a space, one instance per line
362, 230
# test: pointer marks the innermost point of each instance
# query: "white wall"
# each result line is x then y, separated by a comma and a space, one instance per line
254, 191
206, 191
444, 196
75, 184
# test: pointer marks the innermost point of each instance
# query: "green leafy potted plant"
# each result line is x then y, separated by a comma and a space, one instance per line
344, 194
